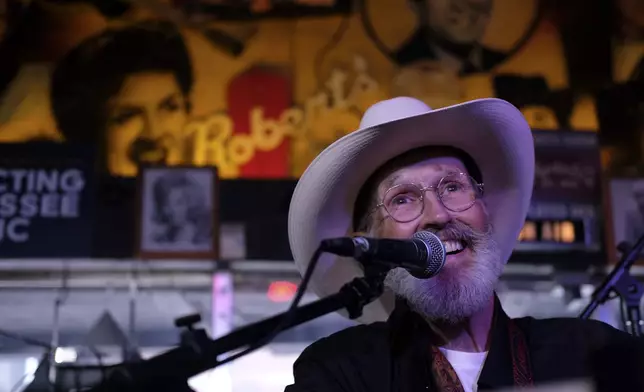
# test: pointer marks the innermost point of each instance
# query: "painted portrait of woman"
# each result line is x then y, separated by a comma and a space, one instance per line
127, 91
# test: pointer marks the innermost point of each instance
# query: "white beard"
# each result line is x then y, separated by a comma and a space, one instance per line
459, 290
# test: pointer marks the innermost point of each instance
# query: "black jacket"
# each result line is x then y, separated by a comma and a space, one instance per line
395, 356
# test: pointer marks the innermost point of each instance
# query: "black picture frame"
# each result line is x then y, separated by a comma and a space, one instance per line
179, 225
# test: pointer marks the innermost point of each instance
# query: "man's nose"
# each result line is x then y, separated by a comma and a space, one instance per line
435, 216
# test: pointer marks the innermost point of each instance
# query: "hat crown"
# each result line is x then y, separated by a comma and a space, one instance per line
392, 110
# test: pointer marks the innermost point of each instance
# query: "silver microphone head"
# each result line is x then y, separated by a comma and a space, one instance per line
435, 254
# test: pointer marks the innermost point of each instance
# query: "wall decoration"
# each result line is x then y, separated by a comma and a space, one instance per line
565, 210
629, 42
46, 188
133, 103
255, 9
178, 215
163, 85
453, 34
621, 113
620, 106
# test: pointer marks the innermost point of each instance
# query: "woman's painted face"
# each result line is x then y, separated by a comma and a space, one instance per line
178, 205
150, 105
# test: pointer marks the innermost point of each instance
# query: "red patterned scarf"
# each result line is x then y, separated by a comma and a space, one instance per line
447, 380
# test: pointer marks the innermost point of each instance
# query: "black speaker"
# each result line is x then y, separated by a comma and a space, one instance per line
620, 111
586, 28
109, 8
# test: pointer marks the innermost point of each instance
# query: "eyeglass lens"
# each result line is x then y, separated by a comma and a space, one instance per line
404, 202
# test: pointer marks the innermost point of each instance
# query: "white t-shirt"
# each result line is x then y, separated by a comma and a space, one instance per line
467, 366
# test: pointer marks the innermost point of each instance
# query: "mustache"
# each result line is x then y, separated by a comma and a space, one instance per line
460, 231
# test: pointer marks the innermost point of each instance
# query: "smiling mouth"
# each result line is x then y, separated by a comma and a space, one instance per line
453, 247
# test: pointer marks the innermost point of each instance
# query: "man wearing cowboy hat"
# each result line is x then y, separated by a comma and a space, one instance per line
466, 173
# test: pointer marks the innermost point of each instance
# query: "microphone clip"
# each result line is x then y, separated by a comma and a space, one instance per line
190, 336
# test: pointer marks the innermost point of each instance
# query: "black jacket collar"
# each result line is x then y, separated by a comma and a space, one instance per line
411, 338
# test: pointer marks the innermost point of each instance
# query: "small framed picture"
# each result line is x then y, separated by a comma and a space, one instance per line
627, 210
178, 215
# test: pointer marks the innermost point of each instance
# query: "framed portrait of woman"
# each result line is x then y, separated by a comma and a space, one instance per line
178, 215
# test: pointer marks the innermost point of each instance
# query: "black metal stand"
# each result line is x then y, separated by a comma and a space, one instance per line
626, 287
198, 353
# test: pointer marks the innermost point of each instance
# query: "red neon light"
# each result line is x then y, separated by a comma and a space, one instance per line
281, 291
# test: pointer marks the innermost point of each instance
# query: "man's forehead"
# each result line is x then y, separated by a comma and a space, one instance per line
424, 170
435, 157
371, 188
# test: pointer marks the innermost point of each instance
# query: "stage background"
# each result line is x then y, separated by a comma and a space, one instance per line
258, 90
296, 84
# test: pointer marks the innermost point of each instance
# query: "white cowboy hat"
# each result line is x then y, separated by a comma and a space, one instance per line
491, 131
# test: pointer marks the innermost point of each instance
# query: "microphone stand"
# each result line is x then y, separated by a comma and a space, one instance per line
197, 352
626, 287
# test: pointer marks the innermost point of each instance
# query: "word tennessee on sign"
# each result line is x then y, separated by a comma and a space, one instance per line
46, 200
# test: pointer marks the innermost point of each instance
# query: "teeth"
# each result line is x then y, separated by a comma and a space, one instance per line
452, 246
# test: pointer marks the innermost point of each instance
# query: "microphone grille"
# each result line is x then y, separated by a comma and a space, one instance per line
437, 253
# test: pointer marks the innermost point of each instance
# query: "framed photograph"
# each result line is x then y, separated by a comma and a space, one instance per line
178, 217
627, 211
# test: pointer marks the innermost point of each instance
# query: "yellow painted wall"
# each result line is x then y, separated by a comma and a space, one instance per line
352, 71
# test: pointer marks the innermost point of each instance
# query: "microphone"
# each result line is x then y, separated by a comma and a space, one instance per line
423, 255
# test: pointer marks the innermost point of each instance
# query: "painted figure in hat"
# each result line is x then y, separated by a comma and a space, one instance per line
465, 173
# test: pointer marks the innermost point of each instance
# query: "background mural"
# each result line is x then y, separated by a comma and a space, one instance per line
621, 106
259, 93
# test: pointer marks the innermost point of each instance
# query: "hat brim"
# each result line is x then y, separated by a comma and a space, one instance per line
492, 131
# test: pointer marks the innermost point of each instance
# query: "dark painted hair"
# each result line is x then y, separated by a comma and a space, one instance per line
87, 77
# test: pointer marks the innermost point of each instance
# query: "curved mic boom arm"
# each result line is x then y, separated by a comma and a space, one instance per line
629, 289
198, 353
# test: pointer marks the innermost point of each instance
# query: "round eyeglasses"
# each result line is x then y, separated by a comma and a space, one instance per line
405, 202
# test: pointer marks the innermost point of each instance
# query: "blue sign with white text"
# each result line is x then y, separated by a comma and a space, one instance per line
46, 200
